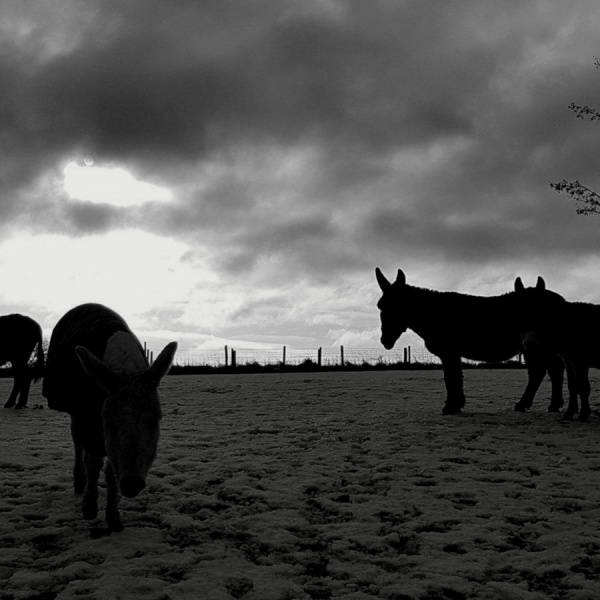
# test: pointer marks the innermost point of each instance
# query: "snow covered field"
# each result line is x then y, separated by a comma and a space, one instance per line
316, 486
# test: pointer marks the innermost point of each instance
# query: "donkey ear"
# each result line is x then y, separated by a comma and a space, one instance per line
384, 284
400, 278
541, 284
160, 367
519, 287
97, 370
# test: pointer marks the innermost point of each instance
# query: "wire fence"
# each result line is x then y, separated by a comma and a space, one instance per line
289, 355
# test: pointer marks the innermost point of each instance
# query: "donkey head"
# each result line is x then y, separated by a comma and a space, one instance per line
538, 312
131, 416
393, 318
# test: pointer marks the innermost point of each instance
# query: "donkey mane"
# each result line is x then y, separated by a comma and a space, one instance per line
453, 294
428, 302
443, 294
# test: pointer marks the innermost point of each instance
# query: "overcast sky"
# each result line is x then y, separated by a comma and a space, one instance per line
228, 170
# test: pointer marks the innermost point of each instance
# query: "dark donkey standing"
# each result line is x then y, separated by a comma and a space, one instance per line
19, 336
570, 328
97, 372
455, 325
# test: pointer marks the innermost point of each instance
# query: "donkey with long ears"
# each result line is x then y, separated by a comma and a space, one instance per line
572, 329
19, 336
455, 326
98, 373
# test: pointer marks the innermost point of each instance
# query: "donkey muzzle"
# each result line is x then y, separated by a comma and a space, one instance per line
132, 485
388, 344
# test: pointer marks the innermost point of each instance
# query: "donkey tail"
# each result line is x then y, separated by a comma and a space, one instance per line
38, 365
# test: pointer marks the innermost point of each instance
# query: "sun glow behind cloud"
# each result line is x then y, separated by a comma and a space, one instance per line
104, 185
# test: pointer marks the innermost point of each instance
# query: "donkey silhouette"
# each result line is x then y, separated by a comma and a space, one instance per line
19, 336
572, 329
455, 326
98, 373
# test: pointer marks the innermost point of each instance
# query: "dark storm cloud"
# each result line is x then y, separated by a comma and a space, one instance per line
167, 88
147, 82
88, 218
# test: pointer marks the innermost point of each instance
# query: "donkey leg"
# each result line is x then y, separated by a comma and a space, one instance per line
113, 518
79, 477
536, 370
573, 386
89, 505
14, 394
583, 385
24, 385
453, 377
556, 371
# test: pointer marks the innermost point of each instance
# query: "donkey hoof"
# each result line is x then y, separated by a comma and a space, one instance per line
9, 404
114, 524
583, 417
451, 410
89, 511
568, 416
520, 408
556, 405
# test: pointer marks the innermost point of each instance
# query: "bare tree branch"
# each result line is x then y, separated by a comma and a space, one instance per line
581, 112
588, 200
581, 194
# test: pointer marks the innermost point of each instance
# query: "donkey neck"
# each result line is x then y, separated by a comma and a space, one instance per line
124, 353
422, 307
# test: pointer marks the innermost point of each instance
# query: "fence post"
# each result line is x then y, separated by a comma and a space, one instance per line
226, 357
283, 361
409, 356
319, 356
405, 355
342, 355
233, 358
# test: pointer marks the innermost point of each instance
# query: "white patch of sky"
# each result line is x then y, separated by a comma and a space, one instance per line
130, 271
109, 185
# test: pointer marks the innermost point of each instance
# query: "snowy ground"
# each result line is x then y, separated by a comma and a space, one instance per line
328, 485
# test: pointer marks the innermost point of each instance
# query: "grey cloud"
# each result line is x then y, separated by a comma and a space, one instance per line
171, 87
87, 218
61, 215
